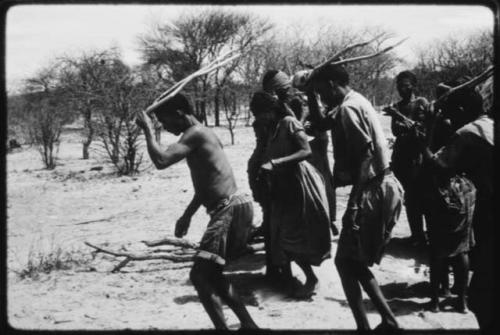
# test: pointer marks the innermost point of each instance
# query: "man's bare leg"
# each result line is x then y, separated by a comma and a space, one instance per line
233, 300
371, 287
311, 281
201, 276
437, 265
221, 287
461, 275
352, 291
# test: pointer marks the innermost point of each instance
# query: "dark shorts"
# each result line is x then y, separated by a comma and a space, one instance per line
228, 231
379, 208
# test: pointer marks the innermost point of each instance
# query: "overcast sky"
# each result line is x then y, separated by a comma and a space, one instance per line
35, 34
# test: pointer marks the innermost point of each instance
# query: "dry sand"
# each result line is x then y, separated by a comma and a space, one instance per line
71, 204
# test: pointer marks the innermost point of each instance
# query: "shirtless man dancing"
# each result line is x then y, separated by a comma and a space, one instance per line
215, 188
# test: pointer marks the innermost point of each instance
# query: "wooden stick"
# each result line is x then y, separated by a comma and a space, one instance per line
97, 220
348, 48
355, 59
473, 82
179, 242
180, 85
190, 77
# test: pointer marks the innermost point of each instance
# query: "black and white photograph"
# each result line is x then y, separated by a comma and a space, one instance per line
263, 167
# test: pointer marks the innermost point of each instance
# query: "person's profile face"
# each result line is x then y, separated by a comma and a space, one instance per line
171, 122
284, 93
325, 92
405, 88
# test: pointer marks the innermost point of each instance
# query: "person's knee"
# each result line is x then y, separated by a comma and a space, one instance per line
340, 264
364, 273
196, 276
204, 271
353, 268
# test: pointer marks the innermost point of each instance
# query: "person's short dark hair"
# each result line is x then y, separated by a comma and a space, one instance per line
177, 102
467, 98
262, 102
406, 75
268, 76
335, 73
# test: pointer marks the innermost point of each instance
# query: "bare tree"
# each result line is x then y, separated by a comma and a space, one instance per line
184, 46
233, 99
84, 77
454, 56
124, 93
47, 112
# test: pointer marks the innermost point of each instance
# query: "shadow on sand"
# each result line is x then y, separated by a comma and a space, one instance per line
397, 295
398, 306
246, 274
405, 291
402, 248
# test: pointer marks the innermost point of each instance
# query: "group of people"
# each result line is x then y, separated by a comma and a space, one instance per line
443, 156
290, 178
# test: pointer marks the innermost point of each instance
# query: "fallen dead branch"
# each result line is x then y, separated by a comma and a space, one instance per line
185, 253
94, 221
176, 258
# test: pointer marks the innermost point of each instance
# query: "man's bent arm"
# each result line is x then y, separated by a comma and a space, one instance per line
302, 153
320, 121
193, 206
174, 153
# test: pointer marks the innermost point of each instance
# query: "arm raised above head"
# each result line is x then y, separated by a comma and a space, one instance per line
175, 152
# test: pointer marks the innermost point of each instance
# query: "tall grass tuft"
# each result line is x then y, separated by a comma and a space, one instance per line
41, 261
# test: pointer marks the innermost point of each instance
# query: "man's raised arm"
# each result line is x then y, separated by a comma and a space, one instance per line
174, 153
319, 120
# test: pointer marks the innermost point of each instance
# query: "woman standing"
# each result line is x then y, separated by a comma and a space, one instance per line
299, 215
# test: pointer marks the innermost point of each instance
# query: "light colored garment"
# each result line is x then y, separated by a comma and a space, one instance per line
299, 219
279, 81
356, 127
379, 207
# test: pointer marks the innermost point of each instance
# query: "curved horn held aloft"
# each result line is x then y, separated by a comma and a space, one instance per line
177, 87
334, 59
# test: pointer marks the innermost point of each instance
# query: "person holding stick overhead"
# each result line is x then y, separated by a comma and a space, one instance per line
470, 152
376, 199
231, 213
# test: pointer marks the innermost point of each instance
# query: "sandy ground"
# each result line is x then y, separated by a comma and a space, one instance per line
63, 208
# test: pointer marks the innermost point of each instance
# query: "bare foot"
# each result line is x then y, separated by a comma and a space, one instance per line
387, 328
249, 325
461, 306
307, 290
433, 306
445, 292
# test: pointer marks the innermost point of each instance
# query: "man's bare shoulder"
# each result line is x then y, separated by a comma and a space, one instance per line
198, 135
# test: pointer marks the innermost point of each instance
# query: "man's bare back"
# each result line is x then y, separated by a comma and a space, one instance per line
230, 216
211, 173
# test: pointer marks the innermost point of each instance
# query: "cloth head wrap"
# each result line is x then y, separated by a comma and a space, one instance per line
279, 81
